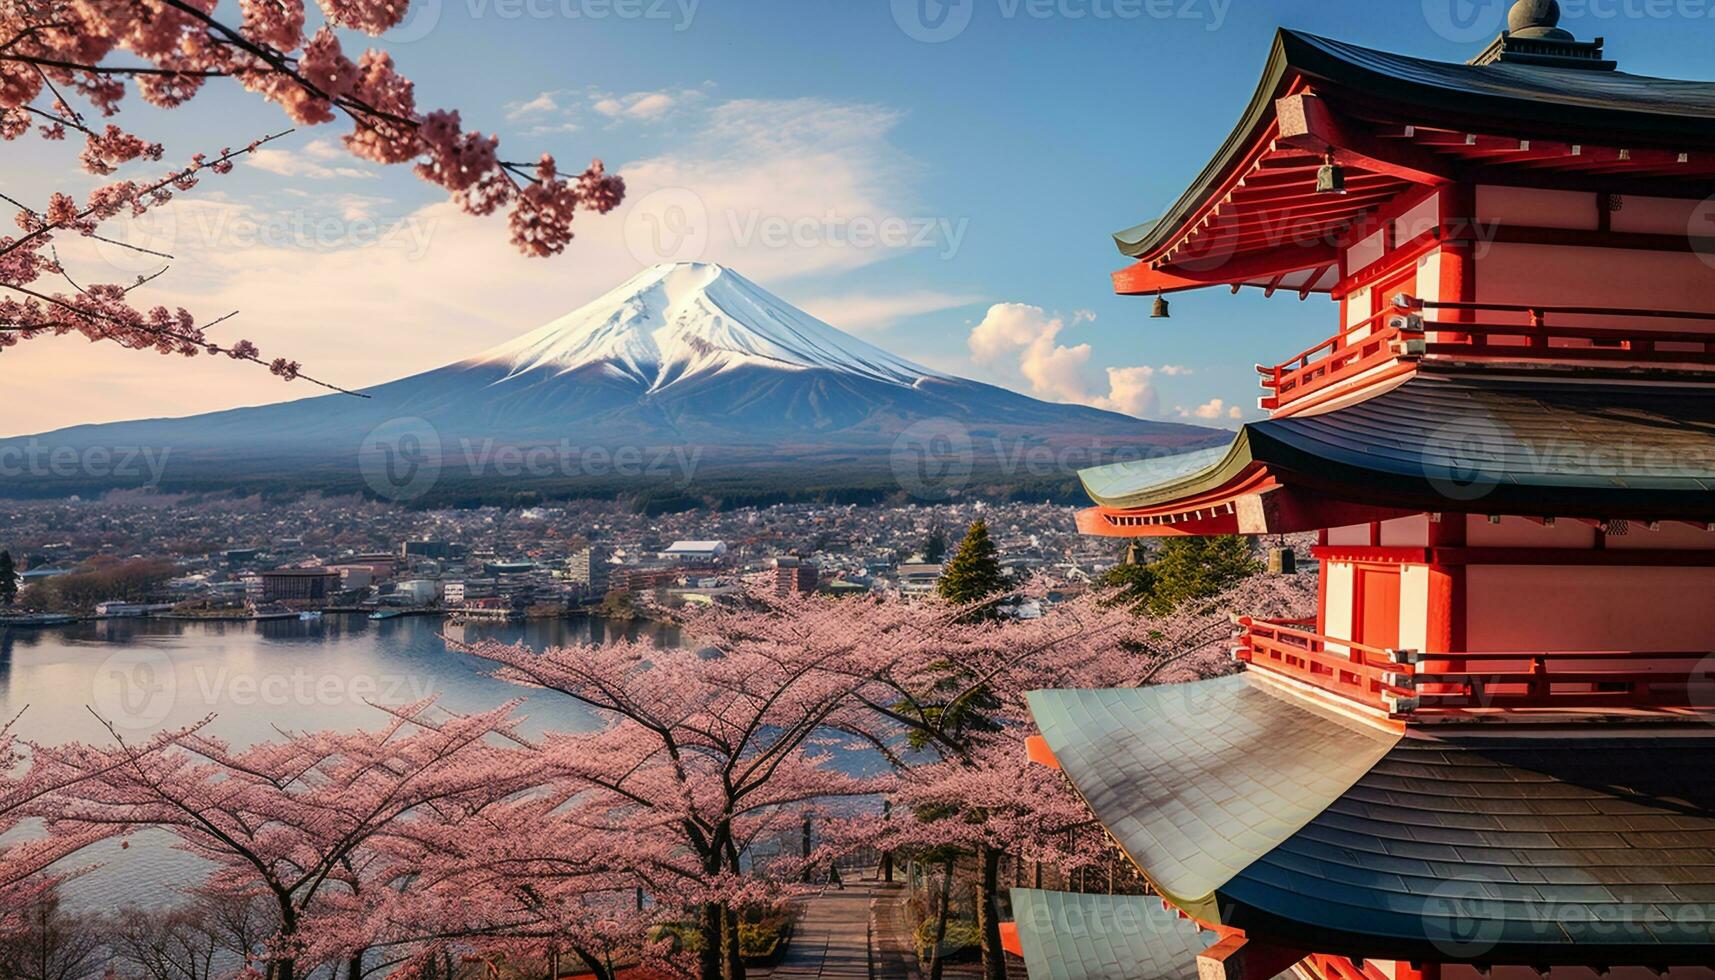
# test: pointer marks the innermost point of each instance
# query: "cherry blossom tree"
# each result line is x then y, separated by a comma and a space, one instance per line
704, 752
29, 868
288, 819
943, 670
56, 55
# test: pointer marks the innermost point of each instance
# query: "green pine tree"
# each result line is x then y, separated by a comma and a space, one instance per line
1183, 570
974, 574
8, 579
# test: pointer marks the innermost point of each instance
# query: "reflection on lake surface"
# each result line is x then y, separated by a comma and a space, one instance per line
256, 678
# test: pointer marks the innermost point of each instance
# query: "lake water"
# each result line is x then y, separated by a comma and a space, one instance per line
255, 678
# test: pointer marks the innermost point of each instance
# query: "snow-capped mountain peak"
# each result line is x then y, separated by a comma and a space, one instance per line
686, 320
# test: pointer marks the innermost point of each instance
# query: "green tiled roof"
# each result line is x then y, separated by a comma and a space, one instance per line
1247, 807
1463, 442
1068, 936
1198, 781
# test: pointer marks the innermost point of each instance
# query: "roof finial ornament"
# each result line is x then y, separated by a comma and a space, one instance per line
1537, 19
1534, 37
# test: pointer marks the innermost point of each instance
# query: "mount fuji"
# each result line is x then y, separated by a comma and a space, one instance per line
691, 357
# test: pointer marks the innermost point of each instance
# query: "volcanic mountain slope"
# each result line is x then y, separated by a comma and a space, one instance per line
689, 355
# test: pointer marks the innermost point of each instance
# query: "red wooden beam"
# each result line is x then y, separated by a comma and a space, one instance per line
1037, 751
1238, 958
1141, 278
1306, 121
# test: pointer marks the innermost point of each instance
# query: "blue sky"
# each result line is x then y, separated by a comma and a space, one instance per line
1003, 155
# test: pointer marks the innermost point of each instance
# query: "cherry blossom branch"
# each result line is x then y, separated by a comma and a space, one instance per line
237, 352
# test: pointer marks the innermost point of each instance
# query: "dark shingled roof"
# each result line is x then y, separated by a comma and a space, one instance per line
1067, 936
1528, 101
1539, 849
1465, 442
1562, 850
1198, 781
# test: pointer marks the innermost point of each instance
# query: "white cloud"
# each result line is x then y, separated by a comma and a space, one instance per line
288, 163
1132, 391
644, 106
869, 312
1016, 336
325, 150
1213, 410
784, 188
438, 285
540, 105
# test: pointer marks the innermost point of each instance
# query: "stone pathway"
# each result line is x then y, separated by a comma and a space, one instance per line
832, 938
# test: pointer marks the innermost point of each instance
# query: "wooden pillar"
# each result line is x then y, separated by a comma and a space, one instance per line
1446, 620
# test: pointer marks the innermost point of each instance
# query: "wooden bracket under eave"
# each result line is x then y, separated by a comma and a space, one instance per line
1036, 750
1238, 958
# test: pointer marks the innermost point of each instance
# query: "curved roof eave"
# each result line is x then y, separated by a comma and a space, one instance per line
1536, 101
1099, 482
1145, 238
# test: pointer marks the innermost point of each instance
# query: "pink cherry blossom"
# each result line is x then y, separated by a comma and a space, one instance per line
60, 52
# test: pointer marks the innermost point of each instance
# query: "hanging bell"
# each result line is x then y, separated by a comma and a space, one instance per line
1331, 177
1160, 311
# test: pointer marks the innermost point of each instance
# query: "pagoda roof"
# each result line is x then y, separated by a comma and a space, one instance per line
1069, 936
1445, 442
1199, 782
1397, 123
1561, 849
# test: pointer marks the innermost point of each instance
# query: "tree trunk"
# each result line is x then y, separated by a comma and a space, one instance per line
734, 954
988, 912
354, 966
936, 963
709, 957
600, 968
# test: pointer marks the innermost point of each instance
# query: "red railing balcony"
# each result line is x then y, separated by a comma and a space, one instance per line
1490, 332
1371, 343
1410, 685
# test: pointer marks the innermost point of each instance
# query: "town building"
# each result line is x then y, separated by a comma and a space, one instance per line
453, 593
417, 592
918, 578
794, 576
1490, 754
297, 584
695, 552
589, 570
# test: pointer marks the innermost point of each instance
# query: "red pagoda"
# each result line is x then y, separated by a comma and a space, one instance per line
1492, 752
